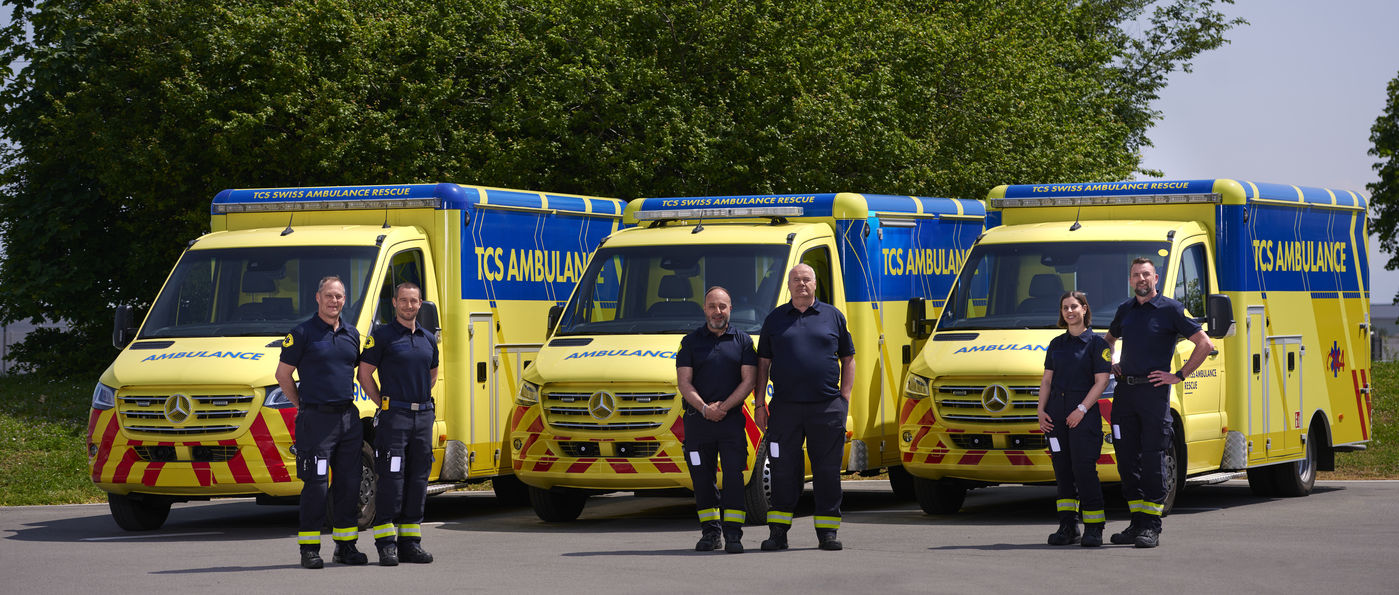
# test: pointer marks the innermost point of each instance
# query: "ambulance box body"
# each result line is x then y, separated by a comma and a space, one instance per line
190, 409
1277, 275
599, 410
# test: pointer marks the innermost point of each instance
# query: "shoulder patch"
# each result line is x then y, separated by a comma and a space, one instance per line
369, 341
1107, 355
287, 341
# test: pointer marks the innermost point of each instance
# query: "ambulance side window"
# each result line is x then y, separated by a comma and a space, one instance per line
1192, 283
819, 259
406, 266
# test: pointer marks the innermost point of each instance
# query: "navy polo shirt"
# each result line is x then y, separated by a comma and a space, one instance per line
325, 358
1149, 331
1074, 361
717, 360
404, 359
805, 349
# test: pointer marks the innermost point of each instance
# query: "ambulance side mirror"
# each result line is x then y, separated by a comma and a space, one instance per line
919, 327
123, 328
427, 317
1219, 315
555, 313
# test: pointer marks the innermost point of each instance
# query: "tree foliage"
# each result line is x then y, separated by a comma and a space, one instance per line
128, 115
1384, 193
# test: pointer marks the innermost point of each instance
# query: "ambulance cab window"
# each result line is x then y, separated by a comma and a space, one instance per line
819, 259
1192, 283
405, 266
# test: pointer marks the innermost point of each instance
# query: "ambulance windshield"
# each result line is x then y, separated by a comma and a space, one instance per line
241, 292
1016, 286
660, 289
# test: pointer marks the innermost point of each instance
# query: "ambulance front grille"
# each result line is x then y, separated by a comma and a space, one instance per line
625, 410
201, 413
968, 402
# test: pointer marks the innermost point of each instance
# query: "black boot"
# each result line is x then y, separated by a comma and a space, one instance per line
709, 537
733, 538
1150, 535
388, 553
777, 537
826, 540
311, 557
412, 553
347, 553
1128, 536
1067, 533
1092, 535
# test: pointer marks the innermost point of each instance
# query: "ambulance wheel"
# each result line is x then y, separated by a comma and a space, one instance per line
758, 492
939, 496
1173, 470
1296, 479
902, 483
138, 512
509, 490
556, 507
368, 487
1260, 480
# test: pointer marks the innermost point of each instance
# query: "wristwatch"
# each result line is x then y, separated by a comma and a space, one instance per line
1082, 408
1180, 375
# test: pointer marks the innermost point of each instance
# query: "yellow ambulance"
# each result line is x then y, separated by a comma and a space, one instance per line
599, 410
1278, 275
190, 409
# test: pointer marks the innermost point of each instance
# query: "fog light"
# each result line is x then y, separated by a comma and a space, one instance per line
908, 436
1107, 437
517, 444
92, 450
292, 449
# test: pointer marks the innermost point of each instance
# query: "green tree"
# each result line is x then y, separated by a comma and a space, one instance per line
128, 115
1384, 193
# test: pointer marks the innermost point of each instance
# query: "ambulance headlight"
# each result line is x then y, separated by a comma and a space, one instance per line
916, 387
529, 394
276, 399
104, 397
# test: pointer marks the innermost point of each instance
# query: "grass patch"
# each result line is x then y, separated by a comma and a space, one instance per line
1381, 459
43, 426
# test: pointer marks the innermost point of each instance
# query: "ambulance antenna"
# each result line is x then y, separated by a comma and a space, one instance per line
1075, 226
288, 230
386, 218
699, 226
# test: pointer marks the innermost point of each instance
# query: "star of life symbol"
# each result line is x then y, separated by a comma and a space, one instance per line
1336, 359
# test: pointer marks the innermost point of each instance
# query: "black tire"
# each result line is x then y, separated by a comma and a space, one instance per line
1260, 480
902, 483
1173, 470
1296, 479
368, 488
758, 493
556, 507
510, 491
139, 512
939, 496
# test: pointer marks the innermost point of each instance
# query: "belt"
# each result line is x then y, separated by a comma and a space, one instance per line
1135, 379
395, 404
329, 407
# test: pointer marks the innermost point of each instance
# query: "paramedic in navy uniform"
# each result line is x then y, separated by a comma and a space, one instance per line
324, 351
1076, 368
1149, 325
406, 357
715, 371
807, 349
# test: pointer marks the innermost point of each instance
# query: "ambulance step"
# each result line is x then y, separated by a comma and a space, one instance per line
438, 488
1213, 478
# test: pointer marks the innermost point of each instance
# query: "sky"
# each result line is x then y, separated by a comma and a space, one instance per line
1289, 100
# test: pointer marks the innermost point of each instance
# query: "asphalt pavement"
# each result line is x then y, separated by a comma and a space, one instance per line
1344, 538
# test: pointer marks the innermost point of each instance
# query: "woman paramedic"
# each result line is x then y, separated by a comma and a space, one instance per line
1076, 368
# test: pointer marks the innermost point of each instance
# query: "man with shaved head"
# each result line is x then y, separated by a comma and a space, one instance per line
806, 349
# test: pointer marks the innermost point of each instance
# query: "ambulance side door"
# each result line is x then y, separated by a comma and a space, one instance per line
1201, 395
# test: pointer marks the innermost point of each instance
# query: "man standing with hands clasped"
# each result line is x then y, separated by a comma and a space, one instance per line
806, 349
324, 351
715, 370
1149, 325
405, 354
